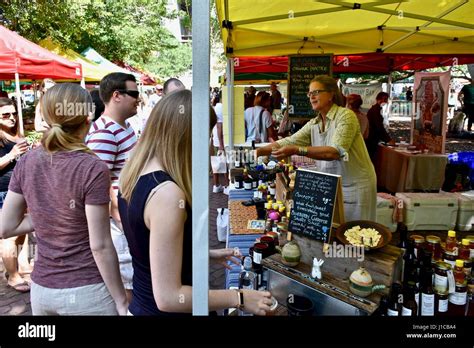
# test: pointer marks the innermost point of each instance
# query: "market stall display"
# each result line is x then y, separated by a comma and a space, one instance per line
402, 170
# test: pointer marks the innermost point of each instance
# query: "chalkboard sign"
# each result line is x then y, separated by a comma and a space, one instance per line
301, 70
317, 198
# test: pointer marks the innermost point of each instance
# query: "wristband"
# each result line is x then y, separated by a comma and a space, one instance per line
302, 150
240, 295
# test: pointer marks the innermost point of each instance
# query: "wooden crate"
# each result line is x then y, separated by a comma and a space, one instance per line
384, 265
283, 191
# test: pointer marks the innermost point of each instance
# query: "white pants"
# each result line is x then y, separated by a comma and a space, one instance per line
123, 253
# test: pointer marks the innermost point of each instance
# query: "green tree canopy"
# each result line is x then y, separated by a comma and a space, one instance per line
126, 30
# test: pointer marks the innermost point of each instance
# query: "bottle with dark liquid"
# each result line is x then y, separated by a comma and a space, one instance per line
427, 294
441, 303
409, 260
403, 233
425, 264
395, 302
412, 279
409, 308
383, 306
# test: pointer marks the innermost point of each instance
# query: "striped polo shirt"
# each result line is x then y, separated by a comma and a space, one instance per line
112, 143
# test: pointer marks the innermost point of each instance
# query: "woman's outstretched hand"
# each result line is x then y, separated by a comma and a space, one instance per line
221, 256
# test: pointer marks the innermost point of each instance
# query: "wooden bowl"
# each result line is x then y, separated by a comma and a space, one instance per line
386, 234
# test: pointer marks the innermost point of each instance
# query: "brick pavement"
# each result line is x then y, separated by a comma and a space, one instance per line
13, 302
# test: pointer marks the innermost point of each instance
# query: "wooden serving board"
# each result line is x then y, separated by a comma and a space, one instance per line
239, 215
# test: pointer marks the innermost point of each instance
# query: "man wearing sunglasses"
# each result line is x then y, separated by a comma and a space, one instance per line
112, 138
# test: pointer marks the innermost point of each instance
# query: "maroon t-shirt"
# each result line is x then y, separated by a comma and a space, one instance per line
56, 188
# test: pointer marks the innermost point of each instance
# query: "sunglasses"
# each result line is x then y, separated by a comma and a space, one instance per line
131, 93
315, 92
7, 115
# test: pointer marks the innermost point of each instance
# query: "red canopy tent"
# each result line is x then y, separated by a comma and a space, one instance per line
364, 63
22, 59
32, 62
144, 77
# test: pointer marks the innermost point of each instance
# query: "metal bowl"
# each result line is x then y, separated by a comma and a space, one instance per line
386, 234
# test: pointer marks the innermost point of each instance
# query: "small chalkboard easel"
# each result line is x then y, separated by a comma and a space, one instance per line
318, 205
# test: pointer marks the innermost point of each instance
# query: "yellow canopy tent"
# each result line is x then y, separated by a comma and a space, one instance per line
91, 71
343, 27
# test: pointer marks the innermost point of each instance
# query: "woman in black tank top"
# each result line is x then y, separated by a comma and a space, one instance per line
155, 209
12, 146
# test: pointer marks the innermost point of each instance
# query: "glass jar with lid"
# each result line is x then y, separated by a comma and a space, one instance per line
441, 277
419, 242
433, 244
450, 257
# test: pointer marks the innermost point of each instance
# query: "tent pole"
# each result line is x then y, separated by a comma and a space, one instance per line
230, 100
389, 85
83, 82
200, 161
34, 93
18, 103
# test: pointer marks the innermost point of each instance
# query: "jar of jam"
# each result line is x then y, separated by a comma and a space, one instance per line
270, 242
457, 300
441, 277
441, 303
419, 243
260, 251
433, 244
450, 257
239, 182
275, 236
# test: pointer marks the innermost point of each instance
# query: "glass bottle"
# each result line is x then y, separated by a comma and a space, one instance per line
425, 265
470, 298
394, 304
237, 162
465, 254
451, 242
459, 275
403, 233
409, 260
427, 294
457, 301
247, 277
383, 306
409, 308
433, 244
441, 303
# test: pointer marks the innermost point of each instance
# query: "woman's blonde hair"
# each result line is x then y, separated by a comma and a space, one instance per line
66, 108
167, 137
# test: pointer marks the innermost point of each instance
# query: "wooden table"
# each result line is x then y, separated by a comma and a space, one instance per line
402, 171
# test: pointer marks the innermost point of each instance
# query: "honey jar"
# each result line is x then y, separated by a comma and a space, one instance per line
441, 277
433, 244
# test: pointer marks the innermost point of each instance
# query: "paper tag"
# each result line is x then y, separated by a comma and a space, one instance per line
406, 311
257, 257
427, 304
451, 281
